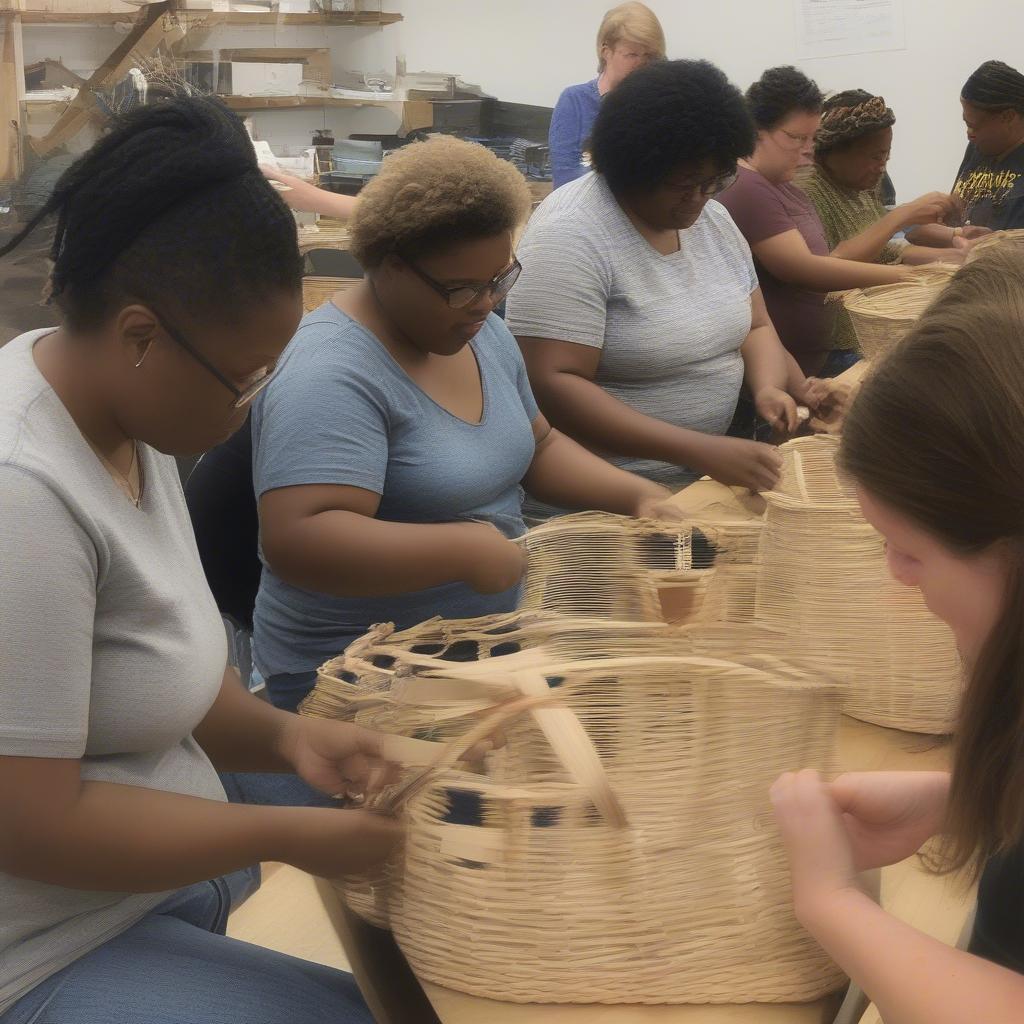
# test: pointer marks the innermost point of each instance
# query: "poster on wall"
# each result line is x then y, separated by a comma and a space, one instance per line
833, 28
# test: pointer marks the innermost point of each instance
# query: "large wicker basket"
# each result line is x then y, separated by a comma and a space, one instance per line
823, 578
882, 315
519, 883
363, 685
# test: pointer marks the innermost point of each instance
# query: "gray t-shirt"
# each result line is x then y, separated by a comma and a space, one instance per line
112, 649
669, 327
340, 410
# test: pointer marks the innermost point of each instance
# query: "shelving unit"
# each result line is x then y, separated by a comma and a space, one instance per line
163, 25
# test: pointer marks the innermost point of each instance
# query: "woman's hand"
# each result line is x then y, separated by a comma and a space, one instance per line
331, 844
778, 409
338, 758
932, 208
811, 391
972, 232
738, 462
493, 563
655, 502
889, 816
821, 856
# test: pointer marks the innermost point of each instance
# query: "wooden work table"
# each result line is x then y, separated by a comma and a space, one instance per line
935, 905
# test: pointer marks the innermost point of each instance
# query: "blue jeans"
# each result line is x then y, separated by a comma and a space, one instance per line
287, 690
176, 965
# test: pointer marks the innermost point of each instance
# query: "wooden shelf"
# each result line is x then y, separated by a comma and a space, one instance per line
211, 18
292, 102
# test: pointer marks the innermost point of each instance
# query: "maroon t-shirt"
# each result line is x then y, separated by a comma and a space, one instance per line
762, 209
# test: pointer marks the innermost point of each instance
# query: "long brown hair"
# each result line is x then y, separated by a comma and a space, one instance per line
937, 433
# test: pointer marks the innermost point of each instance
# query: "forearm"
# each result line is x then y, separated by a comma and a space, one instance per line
833, 274
586, 412
912, 978
764, 360
329, 204
917, 255
115, 838
868, 245
939, 236
351, 555
242, 733
566, 474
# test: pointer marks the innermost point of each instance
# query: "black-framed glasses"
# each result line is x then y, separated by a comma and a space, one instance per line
243, 395
458, 298
710, 187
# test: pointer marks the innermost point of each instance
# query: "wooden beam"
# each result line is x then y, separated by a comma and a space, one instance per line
144, 38
12, 90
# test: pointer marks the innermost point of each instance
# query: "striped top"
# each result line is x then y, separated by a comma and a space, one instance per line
669, 327
845, 214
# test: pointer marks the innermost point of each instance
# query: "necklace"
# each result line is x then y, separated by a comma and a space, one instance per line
132, 488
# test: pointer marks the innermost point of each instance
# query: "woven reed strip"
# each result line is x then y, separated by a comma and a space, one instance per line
542, 902
822, 577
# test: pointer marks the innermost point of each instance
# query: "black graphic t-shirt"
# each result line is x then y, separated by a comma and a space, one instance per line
992, 191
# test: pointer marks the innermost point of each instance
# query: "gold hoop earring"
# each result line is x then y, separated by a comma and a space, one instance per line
145, 352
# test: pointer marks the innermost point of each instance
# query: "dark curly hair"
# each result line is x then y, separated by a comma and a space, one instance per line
668, 115
780, 92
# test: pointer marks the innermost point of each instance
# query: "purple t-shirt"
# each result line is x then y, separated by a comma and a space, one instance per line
761, 210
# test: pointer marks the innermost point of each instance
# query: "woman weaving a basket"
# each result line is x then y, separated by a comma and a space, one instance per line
953, 520
391, 447
120, 856
639, 311
795, 261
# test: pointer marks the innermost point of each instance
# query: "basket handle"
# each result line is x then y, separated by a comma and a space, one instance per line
561, 727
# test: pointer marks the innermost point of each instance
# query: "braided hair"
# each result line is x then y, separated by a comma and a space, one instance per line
851, 115
780, 92
995, 86
169, 205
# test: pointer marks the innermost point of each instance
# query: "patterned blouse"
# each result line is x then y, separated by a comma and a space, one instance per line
845, 214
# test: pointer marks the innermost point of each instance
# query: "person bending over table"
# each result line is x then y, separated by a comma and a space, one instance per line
392, 446
120, 856
952, 517
639, 310
794, 263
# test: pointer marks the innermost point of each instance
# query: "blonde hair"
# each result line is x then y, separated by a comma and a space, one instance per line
431, 194
632, 22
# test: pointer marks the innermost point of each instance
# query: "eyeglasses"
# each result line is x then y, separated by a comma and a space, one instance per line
244, 395
798, 141
711, 187
458, 298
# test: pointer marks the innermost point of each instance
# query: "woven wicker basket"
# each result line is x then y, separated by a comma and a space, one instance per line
882, 315
1013, 237
597, 565
515, 884
822, 577
364, 685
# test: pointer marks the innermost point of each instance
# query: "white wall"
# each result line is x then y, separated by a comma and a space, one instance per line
527, 50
